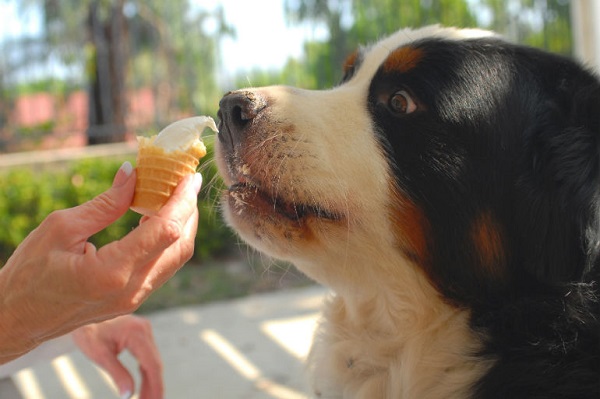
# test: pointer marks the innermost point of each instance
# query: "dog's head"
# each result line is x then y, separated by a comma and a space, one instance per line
446, 151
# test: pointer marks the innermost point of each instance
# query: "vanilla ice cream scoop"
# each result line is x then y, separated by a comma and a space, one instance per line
180, 135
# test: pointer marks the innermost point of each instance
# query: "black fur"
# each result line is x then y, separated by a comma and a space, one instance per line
512, 133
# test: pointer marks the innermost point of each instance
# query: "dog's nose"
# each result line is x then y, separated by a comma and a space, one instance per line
236, 110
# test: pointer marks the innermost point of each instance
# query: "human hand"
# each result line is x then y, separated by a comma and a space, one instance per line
103, 342
57, 281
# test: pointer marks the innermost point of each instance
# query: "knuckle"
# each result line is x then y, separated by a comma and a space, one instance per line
56, 219
173, 230
141, 326
104, 202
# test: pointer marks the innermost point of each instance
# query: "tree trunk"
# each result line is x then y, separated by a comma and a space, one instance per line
107, 94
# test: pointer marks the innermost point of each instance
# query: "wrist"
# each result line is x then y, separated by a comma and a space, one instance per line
15, 337
14, 342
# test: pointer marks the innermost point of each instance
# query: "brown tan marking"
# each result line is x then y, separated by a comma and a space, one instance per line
350, 61
403, 59
411, 228
487, 240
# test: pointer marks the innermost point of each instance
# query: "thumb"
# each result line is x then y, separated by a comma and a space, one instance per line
106, 208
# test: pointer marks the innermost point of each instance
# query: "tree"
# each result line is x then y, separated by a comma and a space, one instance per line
540, 23
329, 55
115, 35
177, 55
353, 22
99, 27
107, 33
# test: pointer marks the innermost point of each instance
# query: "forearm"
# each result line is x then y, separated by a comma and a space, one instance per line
44, 352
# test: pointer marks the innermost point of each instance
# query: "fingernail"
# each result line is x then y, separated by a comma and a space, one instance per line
197, 182
126, 395
123, 174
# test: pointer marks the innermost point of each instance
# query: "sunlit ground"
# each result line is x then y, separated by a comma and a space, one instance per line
248, 348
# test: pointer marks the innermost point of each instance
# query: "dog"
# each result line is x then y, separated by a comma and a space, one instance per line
448, 192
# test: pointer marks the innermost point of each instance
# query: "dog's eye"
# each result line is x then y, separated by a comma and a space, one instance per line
402, 103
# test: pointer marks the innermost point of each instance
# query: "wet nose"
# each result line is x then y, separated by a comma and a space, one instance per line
236, 111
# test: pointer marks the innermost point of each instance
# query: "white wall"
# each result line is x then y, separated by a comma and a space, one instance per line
585, 16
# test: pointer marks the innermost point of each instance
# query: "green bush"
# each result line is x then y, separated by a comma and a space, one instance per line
29, 196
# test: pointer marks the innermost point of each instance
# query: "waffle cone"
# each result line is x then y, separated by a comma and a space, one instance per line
159, 173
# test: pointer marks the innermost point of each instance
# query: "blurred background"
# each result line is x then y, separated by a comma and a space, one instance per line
80, 78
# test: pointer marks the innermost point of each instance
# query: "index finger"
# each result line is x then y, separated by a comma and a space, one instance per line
146, 242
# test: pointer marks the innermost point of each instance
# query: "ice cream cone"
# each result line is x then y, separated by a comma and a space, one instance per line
159, 172
163, 160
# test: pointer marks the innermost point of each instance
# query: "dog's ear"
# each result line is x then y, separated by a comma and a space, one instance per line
563, 187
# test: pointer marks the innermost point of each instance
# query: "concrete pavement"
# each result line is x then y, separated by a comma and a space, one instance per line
251, 348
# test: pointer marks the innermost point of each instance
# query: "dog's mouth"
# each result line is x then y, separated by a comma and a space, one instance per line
249, 197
